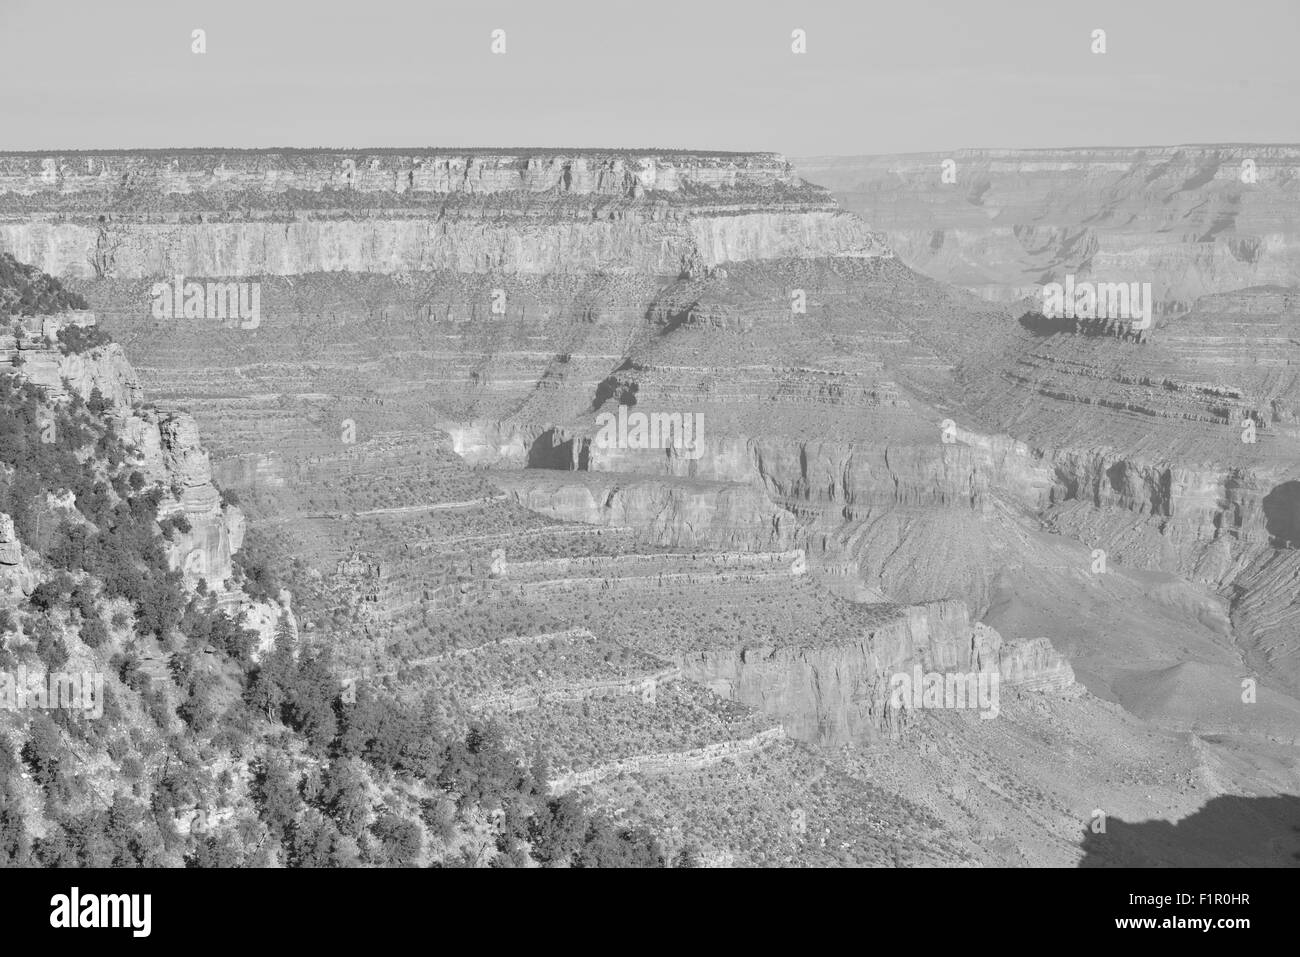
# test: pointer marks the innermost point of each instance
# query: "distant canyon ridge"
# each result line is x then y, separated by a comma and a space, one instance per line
228, 213
1194, 220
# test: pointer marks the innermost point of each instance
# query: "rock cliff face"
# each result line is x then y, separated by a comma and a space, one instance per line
167, 443
840, 694
32, 344
405, 244
16, 576
265, 213
618, 173
217, 529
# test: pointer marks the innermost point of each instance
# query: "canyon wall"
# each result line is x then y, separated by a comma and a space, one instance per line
261, 213
397, 245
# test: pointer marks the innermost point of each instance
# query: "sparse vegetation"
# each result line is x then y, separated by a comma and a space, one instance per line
26, 291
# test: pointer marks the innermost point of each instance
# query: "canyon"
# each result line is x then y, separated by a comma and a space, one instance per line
1195, 219
899, 463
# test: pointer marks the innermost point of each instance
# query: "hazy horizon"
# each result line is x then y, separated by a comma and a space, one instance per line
923, 77
600, 147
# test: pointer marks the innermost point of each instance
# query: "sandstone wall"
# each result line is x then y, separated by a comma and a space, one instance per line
405, 244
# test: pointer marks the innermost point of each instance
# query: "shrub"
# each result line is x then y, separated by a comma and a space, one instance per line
78, 339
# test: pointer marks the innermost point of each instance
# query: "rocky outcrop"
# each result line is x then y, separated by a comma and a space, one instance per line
17, 579
172, 455
840, 694
1032, 665
717, 514
45, 363
11, 551
267, 618
167, 444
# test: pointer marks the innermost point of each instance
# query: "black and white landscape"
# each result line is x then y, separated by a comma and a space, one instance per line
874, 474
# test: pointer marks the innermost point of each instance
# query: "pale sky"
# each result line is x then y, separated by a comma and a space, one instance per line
907, 75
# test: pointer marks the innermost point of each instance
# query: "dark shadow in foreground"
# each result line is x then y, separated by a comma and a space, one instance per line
1229, 831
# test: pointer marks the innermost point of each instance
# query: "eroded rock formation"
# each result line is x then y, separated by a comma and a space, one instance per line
840, 693
167, 444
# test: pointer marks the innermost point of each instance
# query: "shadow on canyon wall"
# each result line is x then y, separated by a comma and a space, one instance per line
1041, 325
1229, 831
1282, 515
